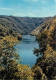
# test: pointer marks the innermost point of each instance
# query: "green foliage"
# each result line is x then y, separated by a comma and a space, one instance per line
10, 67
47, 47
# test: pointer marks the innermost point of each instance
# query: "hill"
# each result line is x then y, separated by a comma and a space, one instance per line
44, 26
46, 37
22, 25
8, 32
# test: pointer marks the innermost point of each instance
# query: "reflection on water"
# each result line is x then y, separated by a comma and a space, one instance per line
25, 49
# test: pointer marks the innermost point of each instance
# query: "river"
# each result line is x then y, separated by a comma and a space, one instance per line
25, 50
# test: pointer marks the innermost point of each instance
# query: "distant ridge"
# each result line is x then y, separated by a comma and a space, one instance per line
22, 25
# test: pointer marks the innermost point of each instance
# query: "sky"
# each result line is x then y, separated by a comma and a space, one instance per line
28, 8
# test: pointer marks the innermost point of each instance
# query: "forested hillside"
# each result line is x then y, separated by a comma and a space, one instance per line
22, 25
7, 32
10, 67
46, 37
44, 26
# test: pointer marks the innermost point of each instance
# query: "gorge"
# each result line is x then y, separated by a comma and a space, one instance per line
40, 68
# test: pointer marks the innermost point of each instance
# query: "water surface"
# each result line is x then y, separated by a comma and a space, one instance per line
25, 50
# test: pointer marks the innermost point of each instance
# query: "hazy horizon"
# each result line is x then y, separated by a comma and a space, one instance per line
28, 16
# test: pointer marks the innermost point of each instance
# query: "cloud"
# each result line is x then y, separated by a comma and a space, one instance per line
1, 0
22, 13
32, 0
1, 8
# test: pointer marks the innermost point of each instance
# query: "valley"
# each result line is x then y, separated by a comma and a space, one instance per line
16, 43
